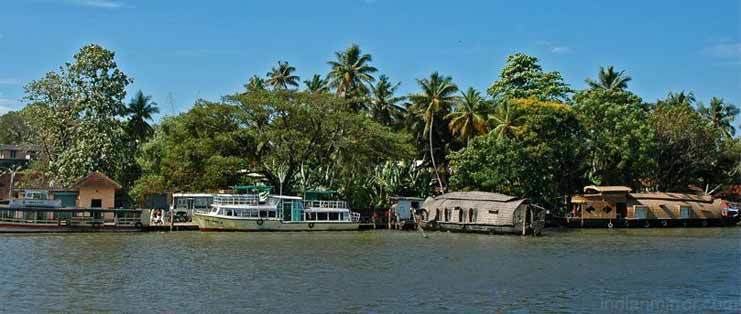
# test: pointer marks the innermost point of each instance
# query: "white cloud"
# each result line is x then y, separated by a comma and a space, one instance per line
553, 47
560, 49
102, 4
726, 50
8, 81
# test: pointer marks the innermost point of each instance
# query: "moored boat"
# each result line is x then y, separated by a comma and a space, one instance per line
258, 211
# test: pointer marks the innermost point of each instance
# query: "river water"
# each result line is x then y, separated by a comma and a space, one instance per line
646, 270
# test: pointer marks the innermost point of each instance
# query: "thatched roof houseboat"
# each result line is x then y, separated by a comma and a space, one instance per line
482, 212
616, 206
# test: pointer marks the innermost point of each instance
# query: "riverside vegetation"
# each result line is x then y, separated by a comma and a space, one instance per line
528, 134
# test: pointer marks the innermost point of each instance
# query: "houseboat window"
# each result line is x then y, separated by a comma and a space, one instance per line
461, 214
437, 214
607, 209
471, 215
415, 204
641, 212
590, 209
685, 212
229, 212
202, 203
271, 214
494, 211
334, 216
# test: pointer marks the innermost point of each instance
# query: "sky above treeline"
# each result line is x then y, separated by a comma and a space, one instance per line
178, 51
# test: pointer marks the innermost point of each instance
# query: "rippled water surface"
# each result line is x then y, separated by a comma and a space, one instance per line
669, 270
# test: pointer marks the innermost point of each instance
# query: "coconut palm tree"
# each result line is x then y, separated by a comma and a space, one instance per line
140, 110
351, 72
317, 84
470, 115
506, 120
384, 104
438, 94
610, 80
678, 99
720, 115
282, 76
255, 83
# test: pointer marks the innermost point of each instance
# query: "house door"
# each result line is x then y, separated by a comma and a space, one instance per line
622, 211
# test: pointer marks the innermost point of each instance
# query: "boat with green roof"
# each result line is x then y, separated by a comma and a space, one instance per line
253, 208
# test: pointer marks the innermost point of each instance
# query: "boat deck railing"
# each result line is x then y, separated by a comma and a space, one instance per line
325, 204
76, 221
237, 199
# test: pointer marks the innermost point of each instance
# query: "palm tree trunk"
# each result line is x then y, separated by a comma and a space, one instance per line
432, 154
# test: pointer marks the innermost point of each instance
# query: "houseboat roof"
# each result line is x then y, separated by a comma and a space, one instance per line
678, 197
287, 197
476, 196
607, 189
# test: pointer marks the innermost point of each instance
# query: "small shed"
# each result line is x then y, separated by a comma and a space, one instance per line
96, 190
483, 212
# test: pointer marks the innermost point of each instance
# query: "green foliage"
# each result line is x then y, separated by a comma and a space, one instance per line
384, 104
687, 148
15, 128
140, 111
609, 80
522, 77
619, 138
543, 162
351, 72
394, 179
306, 132
720, 115
317, 84
282, 76
75, 116
434, 103
470, 115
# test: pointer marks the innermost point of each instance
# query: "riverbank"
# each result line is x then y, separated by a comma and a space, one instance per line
590, 270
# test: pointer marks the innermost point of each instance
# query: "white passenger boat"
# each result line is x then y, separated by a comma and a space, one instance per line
257, 211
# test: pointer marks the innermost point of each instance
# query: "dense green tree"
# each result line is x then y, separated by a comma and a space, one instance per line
543, 162
437, 96
721, 116
317, 84
15, 128
200, 150
619, 138
469, 118
140, 111
681, 99
523, 77
281, 77
351, 72
384, 104
76, 116
324, 135
610, 80
687, 147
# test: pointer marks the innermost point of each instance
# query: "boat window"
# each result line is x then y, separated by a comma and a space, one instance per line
641, 212
685, 212
321, 216
334, 216
471, 217
271, 214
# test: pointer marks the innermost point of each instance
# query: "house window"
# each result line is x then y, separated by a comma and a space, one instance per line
12, 154
96, 203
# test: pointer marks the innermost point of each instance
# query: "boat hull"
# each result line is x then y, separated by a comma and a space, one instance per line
53, 228
215, 223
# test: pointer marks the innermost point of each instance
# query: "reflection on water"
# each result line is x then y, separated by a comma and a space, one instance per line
661, 270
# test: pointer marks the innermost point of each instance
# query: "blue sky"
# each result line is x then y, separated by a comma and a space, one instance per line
178, 51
